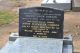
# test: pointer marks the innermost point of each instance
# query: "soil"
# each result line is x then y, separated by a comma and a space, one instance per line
71, 26
5, 31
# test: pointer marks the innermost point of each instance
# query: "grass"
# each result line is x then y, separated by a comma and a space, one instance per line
7, 17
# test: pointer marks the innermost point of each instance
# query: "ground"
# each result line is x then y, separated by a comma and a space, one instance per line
71, 25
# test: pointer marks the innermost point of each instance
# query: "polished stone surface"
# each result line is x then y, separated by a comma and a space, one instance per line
35, 45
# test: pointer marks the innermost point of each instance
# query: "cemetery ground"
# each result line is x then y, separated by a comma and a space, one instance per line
9, 23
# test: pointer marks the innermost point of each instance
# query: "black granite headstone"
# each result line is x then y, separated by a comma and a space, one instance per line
41, 22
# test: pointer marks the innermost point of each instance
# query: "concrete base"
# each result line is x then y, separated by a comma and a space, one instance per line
59, 6
64, 45
76, 9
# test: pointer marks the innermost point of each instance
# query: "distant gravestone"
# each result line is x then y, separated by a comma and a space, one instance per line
41, 22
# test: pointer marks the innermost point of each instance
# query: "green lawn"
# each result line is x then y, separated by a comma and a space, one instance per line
7, 17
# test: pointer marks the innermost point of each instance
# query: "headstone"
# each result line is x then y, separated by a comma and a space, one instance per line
76, 5
57, 4
41, 22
